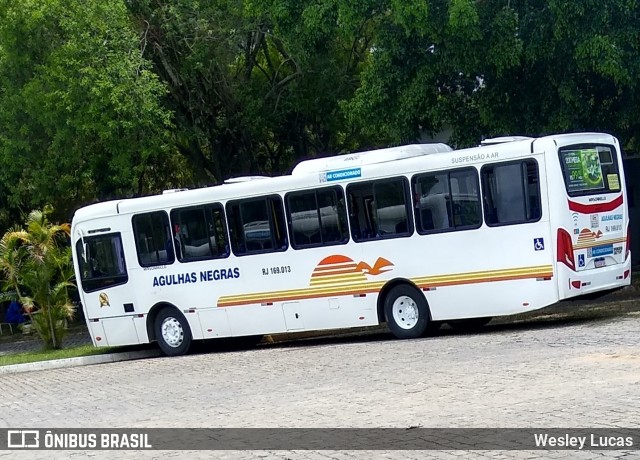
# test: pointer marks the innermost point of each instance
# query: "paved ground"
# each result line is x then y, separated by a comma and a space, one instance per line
572, 370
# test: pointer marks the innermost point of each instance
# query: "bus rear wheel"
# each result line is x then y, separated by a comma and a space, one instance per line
172, 332
406, 312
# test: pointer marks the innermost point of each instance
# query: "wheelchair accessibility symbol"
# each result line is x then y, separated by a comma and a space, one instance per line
538, 244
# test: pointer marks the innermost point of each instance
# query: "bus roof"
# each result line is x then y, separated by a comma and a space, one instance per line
368, 158
376, 163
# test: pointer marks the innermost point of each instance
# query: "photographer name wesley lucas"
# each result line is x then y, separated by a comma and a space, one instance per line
582, 442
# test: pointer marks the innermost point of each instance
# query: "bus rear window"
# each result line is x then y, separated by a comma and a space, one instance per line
590, 169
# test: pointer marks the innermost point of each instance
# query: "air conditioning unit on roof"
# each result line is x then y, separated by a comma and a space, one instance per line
368, 158
237, 180
504, 139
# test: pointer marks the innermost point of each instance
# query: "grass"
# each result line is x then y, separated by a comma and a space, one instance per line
47, 355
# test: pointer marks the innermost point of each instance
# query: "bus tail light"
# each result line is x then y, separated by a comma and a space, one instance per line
628, 247
565, 249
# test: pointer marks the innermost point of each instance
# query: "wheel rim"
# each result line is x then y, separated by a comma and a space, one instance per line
172, 332
405, 312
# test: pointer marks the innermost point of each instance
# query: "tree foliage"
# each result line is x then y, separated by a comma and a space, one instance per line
489, 68
253, 85
80, 111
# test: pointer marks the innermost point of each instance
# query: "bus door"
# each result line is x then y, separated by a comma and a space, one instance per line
107, 297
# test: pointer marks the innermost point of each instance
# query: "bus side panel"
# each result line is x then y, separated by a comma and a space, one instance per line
262, 299
195, 324
488, 271
504, 273
140, 323
214, 322
308, 314
255, 319
120, 331
331, 313
96, 331
494, 298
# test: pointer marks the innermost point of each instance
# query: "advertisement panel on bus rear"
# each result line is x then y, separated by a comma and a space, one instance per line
584, 170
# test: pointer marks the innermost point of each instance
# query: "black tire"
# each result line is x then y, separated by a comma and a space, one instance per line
469, 324
172, 332
406, 312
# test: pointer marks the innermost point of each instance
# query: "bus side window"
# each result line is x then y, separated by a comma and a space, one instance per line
433, 203
257, 225
360, 199
391, 207
276, 220
447, 200
303, 219
151, 232
354, 211
512, 192
235, 229
317, 217
379, 209
532, 189
465, 198
219, 231
200, 232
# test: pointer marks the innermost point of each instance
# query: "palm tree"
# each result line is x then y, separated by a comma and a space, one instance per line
35, 262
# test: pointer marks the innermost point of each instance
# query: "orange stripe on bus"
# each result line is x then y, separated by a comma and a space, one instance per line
485, 280
300, 296
315, 291
315, 273
338, 280
424, 282
484, 274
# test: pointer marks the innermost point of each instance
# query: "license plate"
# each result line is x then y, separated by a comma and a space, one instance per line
600, 262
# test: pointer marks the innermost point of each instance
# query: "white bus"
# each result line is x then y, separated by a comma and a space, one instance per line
412, 236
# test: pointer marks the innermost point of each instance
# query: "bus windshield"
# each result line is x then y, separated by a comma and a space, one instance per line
590, 169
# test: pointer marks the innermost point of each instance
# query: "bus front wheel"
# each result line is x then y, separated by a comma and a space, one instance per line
406, 312
172, 332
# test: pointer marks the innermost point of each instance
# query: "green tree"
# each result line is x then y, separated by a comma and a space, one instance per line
424, 75
493, 68
80, 108
578, 70
35, 262
254, 85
